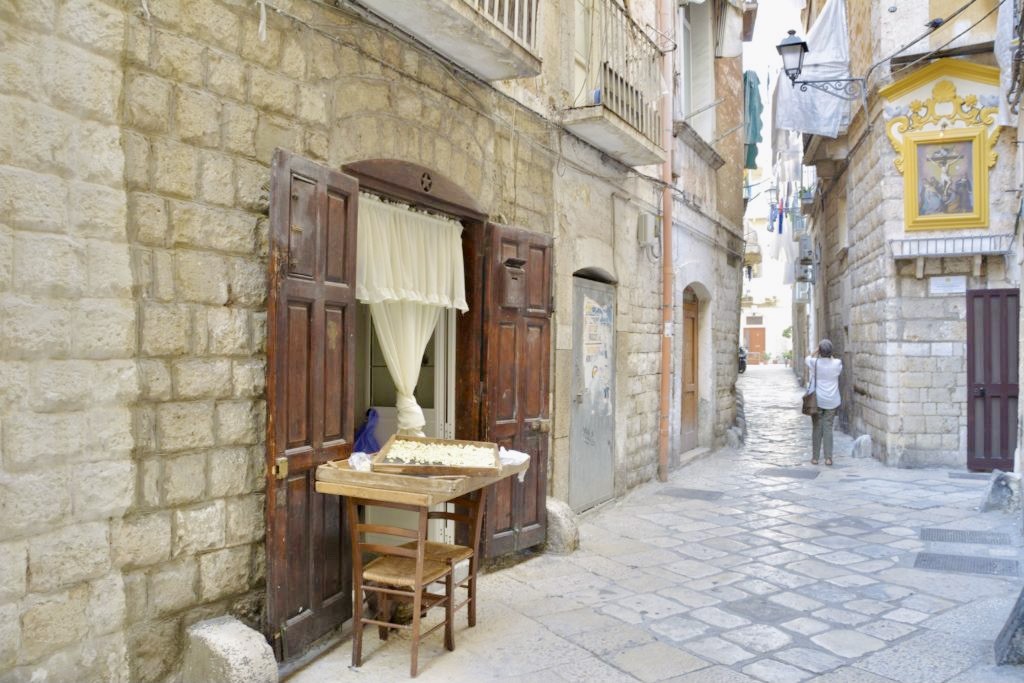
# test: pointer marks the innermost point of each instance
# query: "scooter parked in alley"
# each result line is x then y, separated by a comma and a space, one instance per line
743, 359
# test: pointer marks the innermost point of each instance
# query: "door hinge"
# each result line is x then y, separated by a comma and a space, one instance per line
280, 468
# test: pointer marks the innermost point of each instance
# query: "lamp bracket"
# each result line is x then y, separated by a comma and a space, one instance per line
844, 88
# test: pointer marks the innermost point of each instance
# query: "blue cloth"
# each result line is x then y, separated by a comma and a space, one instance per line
366, 442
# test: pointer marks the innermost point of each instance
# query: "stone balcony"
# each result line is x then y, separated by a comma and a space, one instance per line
493, 39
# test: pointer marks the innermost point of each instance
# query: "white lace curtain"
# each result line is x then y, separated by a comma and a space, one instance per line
408, 269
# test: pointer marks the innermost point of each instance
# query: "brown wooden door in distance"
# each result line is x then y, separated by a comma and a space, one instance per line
992, 378
755, 345
310, 384
689, 416
517, 343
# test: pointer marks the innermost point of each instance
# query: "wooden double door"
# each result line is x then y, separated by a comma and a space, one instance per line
501, 385
993, 319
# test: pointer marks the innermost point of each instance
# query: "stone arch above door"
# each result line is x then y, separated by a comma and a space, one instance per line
419, 185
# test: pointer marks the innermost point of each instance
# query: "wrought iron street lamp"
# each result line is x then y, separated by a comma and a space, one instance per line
773, 195
793, 48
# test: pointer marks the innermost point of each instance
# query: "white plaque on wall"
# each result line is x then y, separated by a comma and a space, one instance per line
947, 284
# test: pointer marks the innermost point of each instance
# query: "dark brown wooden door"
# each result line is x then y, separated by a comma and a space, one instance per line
690, 394
992, 382
310, 385
516, 371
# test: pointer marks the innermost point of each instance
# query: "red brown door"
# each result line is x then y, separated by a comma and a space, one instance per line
310, 385
517, 350
755, 345
690, 394
992, 382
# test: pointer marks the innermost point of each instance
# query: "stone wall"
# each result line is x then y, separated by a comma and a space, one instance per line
133, 245
904, 351
68, 337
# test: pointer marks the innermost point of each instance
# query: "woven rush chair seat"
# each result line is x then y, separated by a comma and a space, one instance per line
444, 552
401, 571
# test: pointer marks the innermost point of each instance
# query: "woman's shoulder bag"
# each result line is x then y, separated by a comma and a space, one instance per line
811, 397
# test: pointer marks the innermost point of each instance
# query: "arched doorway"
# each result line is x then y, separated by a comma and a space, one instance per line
501, 377
690, 393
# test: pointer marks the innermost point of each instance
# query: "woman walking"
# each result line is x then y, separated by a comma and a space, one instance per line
824, 371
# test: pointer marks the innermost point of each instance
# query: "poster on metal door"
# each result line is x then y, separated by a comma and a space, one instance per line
597, 350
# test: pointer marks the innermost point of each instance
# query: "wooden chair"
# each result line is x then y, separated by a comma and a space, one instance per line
470, 520
398, 571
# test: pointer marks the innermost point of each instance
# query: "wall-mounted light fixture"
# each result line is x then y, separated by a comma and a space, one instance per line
793, 48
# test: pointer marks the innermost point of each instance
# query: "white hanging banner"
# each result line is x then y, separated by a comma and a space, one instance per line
828, 58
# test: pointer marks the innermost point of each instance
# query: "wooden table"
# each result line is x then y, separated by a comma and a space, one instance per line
336, 478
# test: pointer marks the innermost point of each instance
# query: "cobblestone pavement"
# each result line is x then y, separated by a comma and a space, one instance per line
746, 566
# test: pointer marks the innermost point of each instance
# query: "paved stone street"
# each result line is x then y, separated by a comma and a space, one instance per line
746, 566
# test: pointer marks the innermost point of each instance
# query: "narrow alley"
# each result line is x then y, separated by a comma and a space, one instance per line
747, 566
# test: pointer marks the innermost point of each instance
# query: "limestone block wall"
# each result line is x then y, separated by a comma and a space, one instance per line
704, 261
68, 337
728, 123
596, 229
133, 242
871, 289
904, 350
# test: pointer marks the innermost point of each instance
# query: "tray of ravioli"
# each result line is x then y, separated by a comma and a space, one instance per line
425, 455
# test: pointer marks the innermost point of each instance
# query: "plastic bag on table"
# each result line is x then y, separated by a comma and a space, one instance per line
508, 457
366, 442
360, 461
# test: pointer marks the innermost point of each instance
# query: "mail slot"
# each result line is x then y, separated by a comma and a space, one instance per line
513, 291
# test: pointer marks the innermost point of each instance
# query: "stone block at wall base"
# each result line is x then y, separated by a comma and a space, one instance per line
861, 447
915, 459
224, 650
1003, 492
1009, 645
563, 528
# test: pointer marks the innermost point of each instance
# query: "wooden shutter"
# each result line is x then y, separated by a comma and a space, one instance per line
310, 391
516, 374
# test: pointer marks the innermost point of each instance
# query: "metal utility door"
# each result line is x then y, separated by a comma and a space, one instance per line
992, 382
592, 438
515, 386
755, 345
690, 393
310, 395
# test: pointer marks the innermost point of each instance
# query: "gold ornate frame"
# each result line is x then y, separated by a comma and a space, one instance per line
978, 216
945, 117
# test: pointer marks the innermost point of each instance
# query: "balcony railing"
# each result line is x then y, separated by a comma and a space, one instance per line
626, 77
516, 18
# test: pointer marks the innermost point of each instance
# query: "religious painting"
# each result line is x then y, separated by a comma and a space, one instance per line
946, 181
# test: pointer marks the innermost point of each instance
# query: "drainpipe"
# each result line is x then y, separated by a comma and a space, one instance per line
666, 28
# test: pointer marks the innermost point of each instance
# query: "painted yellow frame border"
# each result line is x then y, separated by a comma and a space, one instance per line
976, 219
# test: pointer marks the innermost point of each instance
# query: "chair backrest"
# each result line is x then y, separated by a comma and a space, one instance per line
360, 528
468, 522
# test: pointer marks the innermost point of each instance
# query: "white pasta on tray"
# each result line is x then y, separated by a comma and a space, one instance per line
422, 455
452, 455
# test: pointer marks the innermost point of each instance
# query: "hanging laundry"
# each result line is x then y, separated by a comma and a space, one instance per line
752, 108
